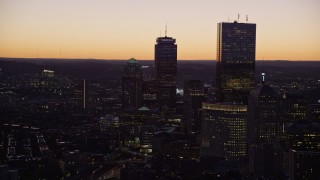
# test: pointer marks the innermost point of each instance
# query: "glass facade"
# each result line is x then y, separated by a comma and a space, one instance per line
166, 72
224, 130
236, 50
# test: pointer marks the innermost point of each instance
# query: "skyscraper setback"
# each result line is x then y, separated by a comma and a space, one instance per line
166, 72
236, 51
224, 127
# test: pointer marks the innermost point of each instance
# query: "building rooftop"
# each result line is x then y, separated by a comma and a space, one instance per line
144, 108
132, 61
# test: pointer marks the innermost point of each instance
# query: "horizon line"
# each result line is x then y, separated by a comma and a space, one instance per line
100, 59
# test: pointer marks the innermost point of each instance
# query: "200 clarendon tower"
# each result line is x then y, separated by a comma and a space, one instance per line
236, 51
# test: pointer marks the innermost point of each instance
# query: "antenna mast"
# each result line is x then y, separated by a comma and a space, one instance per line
166, 30
263, 73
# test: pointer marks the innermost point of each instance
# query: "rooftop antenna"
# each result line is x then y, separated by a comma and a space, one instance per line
247, 19
263, 73
84, 93
238, 17
166, 30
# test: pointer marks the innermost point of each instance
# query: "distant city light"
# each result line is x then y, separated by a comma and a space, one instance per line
179, 91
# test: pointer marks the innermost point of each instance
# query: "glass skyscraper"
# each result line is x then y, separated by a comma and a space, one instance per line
166, 72
132, 85
236, 50
224, 126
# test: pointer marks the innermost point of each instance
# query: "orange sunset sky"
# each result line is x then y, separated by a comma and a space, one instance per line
120, 29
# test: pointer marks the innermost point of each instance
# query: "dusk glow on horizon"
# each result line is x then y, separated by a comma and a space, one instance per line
110, 29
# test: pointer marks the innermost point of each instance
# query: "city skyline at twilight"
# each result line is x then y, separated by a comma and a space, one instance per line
286, 30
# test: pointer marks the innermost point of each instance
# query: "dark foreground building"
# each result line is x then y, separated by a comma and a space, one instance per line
132, 85
264, 120
194, 96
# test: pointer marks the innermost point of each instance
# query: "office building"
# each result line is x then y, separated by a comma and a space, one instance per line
314, 112
313, 104
150, 92
166, 72
194, 96
236, 49
224, 130
80, 99
176, 145
304, 165
302, 136
132, 85
146, 133
266, 161
294, 107
264, 114
47, 73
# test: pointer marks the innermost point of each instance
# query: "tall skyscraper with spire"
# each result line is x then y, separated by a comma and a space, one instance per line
236, 51
166, 71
